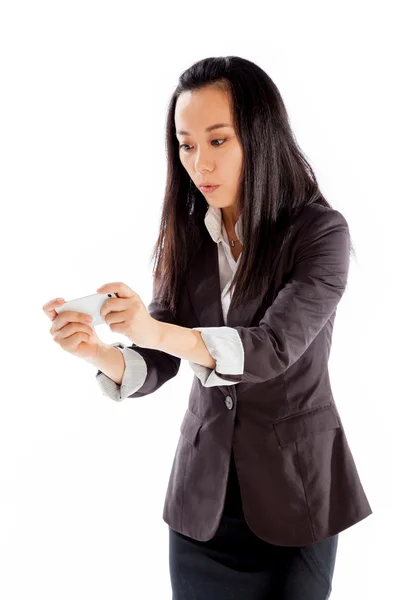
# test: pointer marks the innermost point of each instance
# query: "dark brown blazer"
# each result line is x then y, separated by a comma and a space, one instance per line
298, 480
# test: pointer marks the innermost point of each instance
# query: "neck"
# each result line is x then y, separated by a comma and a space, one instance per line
230, 218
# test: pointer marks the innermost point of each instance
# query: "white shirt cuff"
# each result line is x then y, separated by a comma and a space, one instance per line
225, 346
132, 380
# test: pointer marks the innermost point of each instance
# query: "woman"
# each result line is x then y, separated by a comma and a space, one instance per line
264, 183
249, 274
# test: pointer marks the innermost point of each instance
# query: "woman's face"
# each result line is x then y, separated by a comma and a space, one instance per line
215, 156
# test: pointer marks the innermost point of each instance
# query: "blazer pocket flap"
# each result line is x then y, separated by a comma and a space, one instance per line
190, 426
317, 420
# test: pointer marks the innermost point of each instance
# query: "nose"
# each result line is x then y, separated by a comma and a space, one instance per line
202, 161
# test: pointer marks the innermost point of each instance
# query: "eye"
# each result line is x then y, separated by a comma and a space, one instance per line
219, 141
185, 146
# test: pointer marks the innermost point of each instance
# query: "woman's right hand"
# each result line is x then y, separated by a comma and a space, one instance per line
72, 331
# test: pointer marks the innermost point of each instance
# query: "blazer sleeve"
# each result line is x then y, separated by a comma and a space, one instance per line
298, 313
224, 343
132, 380
146, 369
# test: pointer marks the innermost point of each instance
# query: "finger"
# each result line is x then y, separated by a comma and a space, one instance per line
118, 288
48, 308
69, 316
113, 305
118, 316
72, 328
72, 342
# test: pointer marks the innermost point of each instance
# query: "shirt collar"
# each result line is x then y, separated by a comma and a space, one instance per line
215, 225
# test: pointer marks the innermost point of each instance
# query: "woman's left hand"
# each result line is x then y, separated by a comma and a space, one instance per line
128, 315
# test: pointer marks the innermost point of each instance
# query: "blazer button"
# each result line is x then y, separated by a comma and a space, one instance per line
229, 402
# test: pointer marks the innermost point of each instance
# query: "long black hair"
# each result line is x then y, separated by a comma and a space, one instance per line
276, 182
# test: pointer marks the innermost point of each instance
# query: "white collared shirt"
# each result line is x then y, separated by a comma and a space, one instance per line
223, 343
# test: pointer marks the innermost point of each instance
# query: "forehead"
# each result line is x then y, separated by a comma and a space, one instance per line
195, 110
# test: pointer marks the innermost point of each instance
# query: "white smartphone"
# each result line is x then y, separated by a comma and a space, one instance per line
90, 305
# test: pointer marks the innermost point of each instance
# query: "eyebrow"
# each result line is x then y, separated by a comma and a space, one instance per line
210, 128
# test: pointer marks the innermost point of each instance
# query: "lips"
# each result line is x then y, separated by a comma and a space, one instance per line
208, 188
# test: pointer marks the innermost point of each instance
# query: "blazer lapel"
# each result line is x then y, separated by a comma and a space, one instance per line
204, 288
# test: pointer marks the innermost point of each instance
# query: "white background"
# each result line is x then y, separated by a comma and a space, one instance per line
84, 93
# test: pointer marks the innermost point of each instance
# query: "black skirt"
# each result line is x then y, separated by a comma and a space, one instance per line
238, 565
